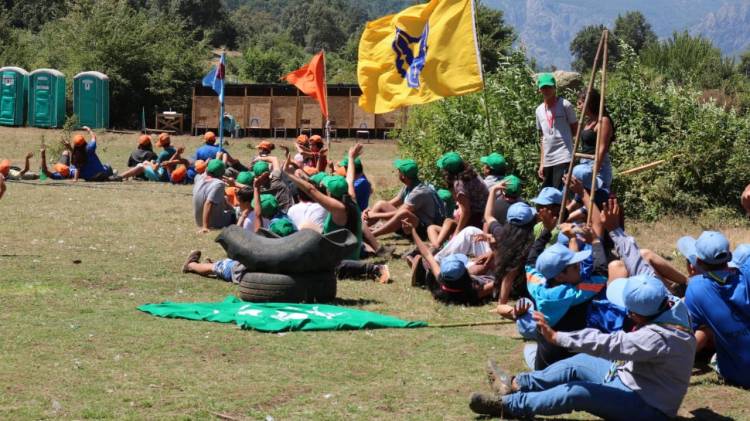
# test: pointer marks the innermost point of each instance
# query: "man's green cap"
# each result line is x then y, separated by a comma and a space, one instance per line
357, 163
282, 227
336, 185
268, 205
216, 168
445, 195
512, 185
407, 167
261, 167
451, 162
317, 178
494, 160
545, 79
246, 178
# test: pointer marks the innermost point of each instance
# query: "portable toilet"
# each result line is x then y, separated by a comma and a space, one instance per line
46, 98
91, 99
15, 83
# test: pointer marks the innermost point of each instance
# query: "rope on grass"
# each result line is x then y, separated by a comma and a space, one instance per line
95, 186
469, 324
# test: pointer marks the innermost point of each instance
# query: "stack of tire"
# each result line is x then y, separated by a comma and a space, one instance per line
299, 268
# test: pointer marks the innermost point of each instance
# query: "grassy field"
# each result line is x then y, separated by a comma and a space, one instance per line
76, 260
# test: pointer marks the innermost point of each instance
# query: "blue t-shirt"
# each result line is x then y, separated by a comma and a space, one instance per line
167, 153
207, 152
725, 309
362, 189
93, 164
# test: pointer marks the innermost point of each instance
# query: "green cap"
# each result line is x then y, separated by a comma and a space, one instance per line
512, 185
451, 162
282, 227
317, 178
447, 197
336, 185
245, 177
357, 163
494, 160
545, 79
261, 167
407, 167
216, 168
268, 205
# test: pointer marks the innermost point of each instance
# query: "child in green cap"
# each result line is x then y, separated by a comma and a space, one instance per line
493, 168
211, 209
468, 189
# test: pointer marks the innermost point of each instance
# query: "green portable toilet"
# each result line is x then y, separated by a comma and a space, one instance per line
46, 98
91, 99
13, 88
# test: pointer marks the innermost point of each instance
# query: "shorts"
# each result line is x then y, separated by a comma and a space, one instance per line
229, 270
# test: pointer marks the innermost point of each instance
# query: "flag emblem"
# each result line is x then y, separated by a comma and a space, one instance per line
407, 65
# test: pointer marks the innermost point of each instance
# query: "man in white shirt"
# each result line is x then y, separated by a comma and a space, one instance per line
556, 120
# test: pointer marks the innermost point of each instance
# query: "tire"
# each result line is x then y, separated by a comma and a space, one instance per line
303, 252
309, 287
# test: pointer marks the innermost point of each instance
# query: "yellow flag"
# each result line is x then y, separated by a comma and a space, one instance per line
421, 54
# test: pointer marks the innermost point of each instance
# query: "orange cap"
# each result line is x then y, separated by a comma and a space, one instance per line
341, 171
164, 139
178, 174
310, 170
231, 194
144, 140
209, 137
5, 167
267, 145
302, 139
62, 169
79, 140
316, 139
200, 166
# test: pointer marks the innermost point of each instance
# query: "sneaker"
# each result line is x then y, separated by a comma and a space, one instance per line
383, 274
500, 381
193, 257
486, 404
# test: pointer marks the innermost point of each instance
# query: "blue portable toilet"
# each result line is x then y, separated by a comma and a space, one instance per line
91, 99
46, 98
14, 84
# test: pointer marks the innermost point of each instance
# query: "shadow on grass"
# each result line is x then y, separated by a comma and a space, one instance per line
706, 414
354, 301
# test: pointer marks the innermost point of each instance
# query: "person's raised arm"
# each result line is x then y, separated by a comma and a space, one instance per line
259, 181
354, 152
489, 208
285, 165
2, 186
407, 227
273, 161
465, 206
26, 163
332, 205
91, 133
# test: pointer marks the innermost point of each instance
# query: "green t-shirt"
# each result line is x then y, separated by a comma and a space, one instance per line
539, 227
353, 224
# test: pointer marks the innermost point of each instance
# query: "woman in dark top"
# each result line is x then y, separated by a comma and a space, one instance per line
468, 189
590, 132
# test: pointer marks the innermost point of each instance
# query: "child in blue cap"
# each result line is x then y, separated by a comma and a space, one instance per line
718, 299
641, 374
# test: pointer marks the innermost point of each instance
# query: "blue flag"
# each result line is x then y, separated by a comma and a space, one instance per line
215, 79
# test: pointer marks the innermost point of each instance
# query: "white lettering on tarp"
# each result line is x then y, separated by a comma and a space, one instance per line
283, 316
327, 316
247, 310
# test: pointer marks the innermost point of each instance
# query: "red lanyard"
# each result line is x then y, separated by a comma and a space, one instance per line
550, 114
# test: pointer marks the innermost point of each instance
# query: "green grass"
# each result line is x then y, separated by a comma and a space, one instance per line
73, 344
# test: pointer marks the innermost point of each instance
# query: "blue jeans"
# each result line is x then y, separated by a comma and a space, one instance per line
605, 171
578, 384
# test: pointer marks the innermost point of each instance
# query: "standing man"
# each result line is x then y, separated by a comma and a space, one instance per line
556, 120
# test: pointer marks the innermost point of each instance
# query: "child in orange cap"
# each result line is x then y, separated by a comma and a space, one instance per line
165, 142
85, 159
317, 156
143, 154
15, 173
61, 170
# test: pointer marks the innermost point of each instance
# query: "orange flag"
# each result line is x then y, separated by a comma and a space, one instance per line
311, 79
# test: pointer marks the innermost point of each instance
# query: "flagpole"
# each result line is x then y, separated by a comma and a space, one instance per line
325, 92
221, 106
493, 137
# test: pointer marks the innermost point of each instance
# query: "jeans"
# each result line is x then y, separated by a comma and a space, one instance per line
605, 171
578, 384
553, 176
354, 269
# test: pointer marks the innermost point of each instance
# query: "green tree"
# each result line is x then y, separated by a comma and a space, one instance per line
495, 37
32, 14
583, 47
269, 57
634, 29
684, 59
744, 65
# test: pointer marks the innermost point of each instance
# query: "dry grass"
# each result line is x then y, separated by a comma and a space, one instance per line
74, 346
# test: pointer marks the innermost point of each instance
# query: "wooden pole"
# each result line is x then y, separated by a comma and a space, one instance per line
599, 132
644, 167
578, 131
478, 46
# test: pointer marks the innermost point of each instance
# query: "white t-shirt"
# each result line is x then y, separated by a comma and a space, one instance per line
307, 212
557, 140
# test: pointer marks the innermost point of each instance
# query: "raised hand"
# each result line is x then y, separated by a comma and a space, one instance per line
355, 151
547, 332
611, 215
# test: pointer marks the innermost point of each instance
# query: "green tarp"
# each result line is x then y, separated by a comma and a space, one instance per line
278, 317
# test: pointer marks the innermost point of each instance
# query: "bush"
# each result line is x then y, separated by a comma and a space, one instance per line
707, 146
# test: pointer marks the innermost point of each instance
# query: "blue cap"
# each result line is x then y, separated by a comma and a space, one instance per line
584, 172
548, 196
556, 258
711, 247
453, 267
641, 294
563, 239
520, 214
740, 256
